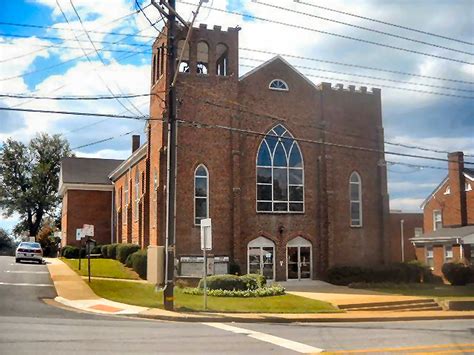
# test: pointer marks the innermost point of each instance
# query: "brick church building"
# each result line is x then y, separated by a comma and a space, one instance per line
264, 155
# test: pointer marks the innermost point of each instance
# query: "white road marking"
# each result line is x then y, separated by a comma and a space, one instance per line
24, 284
282, 342
26, 272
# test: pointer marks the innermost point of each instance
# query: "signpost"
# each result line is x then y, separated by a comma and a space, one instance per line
206, 244
79, 237
88, 232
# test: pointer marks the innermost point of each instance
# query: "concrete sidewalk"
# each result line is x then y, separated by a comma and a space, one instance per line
74, 292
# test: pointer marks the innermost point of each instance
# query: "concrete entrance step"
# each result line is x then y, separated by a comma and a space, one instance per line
405, 305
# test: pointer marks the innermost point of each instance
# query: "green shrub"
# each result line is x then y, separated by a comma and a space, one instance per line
97, 249
254, 281
259, 292
456, 273
70, 252
112, 251
103, 250
411, 272
128, 262
139, 263
223, 282
124, 250
234, 282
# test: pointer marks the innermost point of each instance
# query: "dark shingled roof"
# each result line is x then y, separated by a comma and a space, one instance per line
87, 170
469, 172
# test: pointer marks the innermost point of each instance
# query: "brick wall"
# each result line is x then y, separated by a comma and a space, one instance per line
410, 222
87, 207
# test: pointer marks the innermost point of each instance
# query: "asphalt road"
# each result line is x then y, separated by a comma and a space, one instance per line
30, 326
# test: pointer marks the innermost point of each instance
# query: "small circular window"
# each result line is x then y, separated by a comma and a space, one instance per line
278, 84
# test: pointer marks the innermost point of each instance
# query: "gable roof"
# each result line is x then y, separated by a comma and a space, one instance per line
91, 171
285, 62
468, 173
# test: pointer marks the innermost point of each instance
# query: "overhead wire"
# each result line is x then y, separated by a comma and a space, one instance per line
101, 59
305, 28
278, 7
383, 22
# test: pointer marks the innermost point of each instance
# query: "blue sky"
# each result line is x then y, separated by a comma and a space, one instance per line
429, 120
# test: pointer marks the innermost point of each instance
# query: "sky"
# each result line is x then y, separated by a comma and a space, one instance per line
45, 51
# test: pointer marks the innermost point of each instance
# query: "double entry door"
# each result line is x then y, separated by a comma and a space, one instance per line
299, 262
261, 261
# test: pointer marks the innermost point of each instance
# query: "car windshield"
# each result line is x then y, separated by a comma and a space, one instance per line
30, 245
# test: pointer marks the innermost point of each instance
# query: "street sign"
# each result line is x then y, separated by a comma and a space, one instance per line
88, 230
78, 233
32, 239
206, 234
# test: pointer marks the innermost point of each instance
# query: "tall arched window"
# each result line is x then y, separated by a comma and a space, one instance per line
280, 173
355, 195
202, 66
184, 66
222, 59
201, 194
137, 193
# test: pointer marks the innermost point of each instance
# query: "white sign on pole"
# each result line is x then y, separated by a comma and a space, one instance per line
78, 233
88, 230
206, 234
32, 239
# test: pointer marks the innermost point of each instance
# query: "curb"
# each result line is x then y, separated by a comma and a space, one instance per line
229, 319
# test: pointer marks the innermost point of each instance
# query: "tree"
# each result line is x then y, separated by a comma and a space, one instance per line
29, 179
5, 241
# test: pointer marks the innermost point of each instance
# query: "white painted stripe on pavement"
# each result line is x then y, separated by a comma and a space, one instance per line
24, 284
26, 272
282, 342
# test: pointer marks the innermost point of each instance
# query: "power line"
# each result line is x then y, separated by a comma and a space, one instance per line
357, 66
384, 22
76, 97
423, 148
383, 85
140, 9
103, 140
239, 130
369, 77
241, 108
286, 24
361, 27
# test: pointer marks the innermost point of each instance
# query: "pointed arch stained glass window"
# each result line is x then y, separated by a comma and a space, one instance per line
280, 173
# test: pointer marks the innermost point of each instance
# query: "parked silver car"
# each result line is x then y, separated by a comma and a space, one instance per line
29, 251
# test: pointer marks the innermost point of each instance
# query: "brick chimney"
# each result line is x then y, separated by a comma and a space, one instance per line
457, 199
135, 142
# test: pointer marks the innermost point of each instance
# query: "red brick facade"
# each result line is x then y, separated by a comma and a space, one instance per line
453, 202
412, 223
248, 109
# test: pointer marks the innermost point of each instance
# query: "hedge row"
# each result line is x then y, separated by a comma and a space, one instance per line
234, 282
128, 254
259, 292
458, 274
411, 272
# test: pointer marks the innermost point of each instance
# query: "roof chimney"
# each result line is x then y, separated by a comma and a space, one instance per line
135, 142
457, 183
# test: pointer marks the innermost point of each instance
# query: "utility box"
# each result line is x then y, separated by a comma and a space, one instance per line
156, 264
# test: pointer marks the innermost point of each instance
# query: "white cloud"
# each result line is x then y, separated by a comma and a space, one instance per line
406, 204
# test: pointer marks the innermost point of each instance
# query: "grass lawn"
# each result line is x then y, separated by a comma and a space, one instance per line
440, 292
102, 268
145, 295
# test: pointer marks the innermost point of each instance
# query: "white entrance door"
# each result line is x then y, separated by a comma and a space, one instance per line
299, 259
261, 256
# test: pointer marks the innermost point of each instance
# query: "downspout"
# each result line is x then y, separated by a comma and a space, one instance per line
402, 241
112, 220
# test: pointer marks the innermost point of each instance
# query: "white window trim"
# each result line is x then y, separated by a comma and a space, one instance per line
287, 177
125, 206
359, 201
278, 89
200, 197
434, 219
445, 257
426, 255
